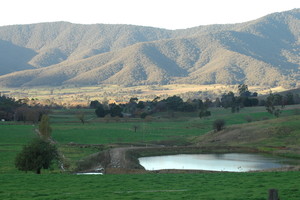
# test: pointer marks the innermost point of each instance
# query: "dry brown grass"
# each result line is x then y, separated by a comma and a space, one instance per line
83, 95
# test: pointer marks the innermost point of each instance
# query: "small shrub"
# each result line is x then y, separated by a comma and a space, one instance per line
218, 124
144, 115
248, 118
204, 113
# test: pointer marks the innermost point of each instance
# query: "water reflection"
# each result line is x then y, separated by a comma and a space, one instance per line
234, 162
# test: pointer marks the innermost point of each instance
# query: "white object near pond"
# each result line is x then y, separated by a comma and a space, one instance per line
90, 173
231, 162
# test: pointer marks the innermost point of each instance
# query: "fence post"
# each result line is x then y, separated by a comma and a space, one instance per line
273, 194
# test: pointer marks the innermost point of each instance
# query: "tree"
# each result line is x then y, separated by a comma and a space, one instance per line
81, 117
243, 90
25, 113
144, 115
8, 106
174, 103
229, 100
115, 110
217, 102
188, 107
246, 98
100, 111
218, 124
44, 127
94, 104
140, 105
248, 102
203, 107
131, 106
38, 154
289, 99
133, 100
274, 104
204, 113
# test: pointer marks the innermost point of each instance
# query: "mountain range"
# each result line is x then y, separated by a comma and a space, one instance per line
265, 52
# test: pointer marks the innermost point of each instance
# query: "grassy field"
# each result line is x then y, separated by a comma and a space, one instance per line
68, 129
217, 186
12, 138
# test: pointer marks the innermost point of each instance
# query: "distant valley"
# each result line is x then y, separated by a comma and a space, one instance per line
263, 52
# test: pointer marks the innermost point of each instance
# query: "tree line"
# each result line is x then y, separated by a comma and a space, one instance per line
135, 108
230, 100
19, 110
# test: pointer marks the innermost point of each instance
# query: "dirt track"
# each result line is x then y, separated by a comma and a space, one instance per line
118, 157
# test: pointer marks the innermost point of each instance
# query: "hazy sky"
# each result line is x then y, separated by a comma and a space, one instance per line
170, 14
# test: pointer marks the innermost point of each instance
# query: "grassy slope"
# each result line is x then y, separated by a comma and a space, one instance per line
280, 136
67, 128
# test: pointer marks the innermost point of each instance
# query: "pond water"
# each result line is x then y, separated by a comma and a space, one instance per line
232, 162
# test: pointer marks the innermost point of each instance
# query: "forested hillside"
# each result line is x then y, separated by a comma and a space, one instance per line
264, 51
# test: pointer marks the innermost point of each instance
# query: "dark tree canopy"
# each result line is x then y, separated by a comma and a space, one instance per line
245, 99
100, 111
38, 154
94, 104
289, 99
115, 110
141, 105
7, 107
174, 102
274, 104
228, 99
243, 90
231, 101
218, 124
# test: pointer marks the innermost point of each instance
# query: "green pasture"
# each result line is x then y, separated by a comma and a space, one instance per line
210, 186
12, 138
285, 132
117, 132
67, 129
